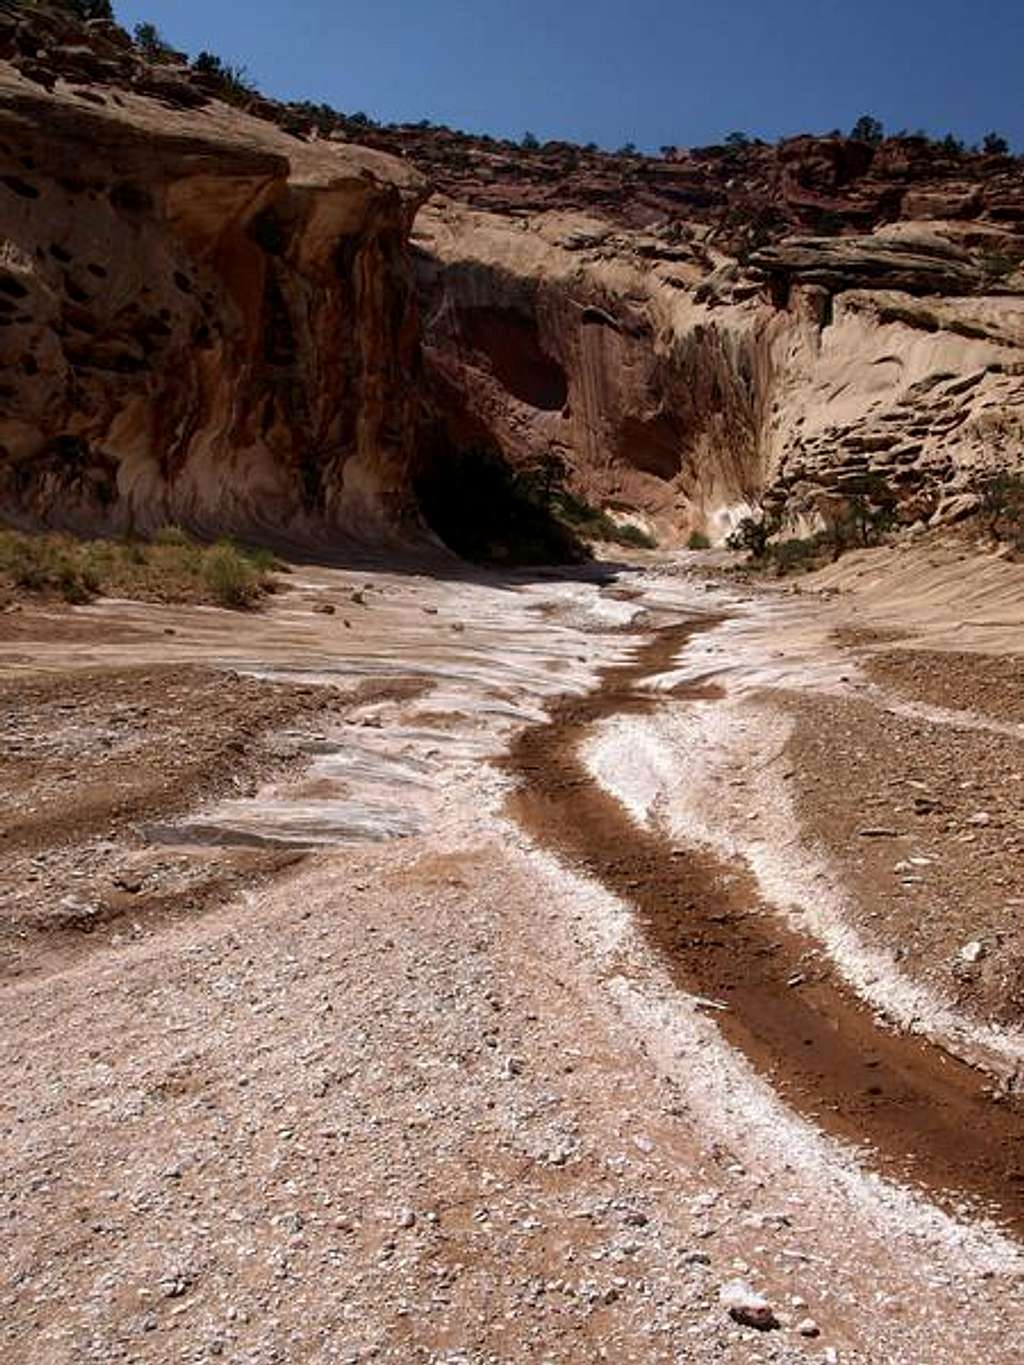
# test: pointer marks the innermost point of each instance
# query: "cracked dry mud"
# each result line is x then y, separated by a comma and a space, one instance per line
548, 983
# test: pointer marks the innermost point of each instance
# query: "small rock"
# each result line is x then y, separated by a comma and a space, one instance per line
973, 951
325, 608
406, 1218
878, 832
807, 1327
174, 1286
747, 1307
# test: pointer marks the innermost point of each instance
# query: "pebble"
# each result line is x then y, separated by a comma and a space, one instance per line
745, 1306
807, 1327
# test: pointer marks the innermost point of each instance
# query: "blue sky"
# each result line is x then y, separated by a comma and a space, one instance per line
644, 71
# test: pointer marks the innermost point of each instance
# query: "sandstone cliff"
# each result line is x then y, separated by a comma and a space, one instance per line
674, 379
215, 314
201, 319
563, 334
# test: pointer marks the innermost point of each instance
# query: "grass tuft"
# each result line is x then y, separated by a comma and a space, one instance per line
232, 579
172, 567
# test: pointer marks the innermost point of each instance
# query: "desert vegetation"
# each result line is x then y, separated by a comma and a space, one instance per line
172, 567
1001, 506
866, 517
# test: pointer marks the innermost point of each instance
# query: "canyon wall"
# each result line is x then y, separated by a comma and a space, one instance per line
561, 335
233, 314
202, 320
673, 380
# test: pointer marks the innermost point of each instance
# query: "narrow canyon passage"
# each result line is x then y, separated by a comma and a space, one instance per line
916, 1113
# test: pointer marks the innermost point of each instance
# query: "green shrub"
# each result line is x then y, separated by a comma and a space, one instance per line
871, 515
134, 552
48, 564
233, 81
230, 576
171, 568
698, 541
172, 534
867, 129
751, 534
25, 561
264, 561
1002, 505
151, 43
76, 584
594, 523
995, 145
627, 534
790, 556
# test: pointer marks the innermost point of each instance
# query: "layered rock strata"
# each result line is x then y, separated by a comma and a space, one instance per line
210, 312
672, 379
201, 319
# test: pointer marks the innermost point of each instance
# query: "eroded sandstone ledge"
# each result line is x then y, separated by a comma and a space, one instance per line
211, 314
203, 320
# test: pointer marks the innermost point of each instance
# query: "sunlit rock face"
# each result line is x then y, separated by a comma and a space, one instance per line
554, 335
219, 315
203, 320
672, 378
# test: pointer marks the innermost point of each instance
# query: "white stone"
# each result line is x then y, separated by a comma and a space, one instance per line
744, 1305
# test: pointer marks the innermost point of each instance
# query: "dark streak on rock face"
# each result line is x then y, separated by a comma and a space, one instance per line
220, 320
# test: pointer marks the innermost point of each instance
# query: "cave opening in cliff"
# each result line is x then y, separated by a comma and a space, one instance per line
511, 343
489, 512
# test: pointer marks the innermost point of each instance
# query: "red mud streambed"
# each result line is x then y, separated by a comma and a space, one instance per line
918, 1114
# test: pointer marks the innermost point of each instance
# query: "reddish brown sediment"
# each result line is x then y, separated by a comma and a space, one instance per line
921, 1115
